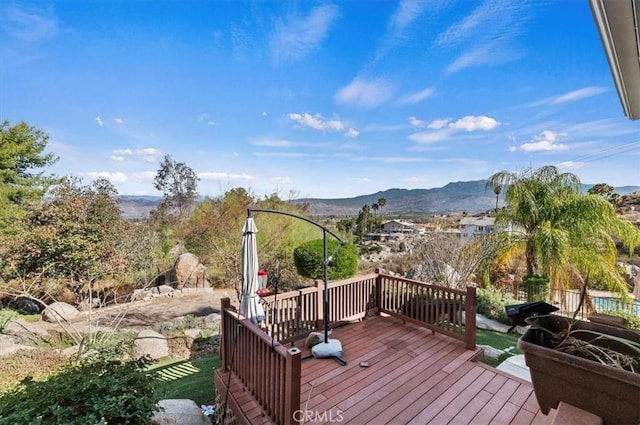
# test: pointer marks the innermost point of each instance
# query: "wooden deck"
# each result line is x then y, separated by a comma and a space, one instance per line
413, 377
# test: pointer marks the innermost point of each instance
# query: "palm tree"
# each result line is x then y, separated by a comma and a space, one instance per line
375, 208
381, 203
497, 189
562, 233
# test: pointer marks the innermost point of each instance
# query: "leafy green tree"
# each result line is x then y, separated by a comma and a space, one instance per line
309, 260
563, 234
607, 191
21, 159
78, 236
179, 184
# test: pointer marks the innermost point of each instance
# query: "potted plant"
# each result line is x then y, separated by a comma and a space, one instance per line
591, 366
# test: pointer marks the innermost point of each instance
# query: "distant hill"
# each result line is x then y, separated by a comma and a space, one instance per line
137, 207
469, 196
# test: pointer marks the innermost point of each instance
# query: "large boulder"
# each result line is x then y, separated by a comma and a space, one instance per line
179, 412
150, 343
58, 312
188, 272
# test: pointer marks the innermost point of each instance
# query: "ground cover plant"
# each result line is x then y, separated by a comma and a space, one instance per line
99, 388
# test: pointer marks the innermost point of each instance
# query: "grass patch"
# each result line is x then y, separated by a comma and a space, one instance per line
500, 341
188, 379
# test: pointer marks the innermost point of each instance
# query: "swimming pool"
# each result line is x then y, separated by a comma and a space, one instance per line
609, 303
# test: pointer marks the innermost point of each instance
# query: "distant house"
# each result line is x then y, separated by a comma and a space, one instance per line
398, 226
470, 227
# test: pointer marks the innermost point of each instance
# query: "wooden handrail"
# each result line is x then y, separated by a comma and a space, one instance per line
267, 369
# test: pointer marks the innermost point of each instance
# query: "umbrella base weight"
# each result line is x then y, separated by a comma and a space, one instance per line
327, 350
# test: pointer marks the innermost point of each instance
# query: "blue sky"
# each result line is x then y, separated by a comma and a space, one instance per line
316, 99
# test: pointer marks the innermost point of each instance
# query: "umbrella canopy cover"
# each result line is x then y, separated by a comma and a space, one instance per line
250, 306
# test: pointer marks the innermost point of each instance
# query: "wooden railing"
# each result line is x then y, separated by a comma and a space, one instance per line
292, 315
445, 310
269, 371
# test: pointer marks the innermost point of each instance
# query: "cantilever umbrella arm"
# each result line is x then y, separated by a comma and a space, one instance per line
325, 263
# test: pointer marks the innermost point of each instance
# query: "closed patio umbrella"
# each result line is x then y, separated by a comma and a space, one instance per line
250, 306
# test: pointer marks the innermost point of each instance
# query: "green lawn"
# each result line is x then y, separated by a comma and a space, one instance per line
498, 340
190, 379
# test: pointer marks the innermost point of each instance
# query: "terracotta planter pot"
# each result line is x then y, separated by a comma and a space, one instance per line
611, 393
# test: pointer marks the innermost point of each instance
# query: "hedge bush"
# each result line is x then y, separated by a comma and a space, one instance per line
309, 258
491, 303
98, 389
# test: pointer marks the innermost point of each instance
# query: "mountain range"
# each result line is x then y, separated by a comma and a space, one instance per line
468, 196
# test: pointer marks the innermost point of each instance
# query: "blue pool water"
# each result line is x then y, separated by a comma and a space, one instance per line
602, 304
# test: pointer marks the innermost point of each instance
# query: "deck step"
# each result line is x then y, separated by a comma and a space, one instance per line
567, 414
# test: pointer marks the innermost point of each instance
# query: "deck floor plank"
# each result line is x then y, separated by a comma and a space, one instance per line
413, 377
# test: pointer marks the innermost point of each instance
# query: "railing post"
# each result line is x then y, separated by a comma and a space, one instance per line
470, 318
293, 375
378, 289
225, 303
319, 303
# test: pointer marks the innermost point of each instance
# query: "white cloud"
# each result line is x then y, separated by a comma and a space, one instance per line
116, 158
444, 129
364, 93
391, 159
273, 143
264, 114
473, 123
570, 165
146, 176
415, 122
29, 25
352, 133
116, 177
99, 121
544, 142
571, 96
280, 180
364, 180
118, 120
486, 34
413, 98
426, 137
438, 124
415, 180
317, 122
296, 37
225, 176
211, 123
147, 154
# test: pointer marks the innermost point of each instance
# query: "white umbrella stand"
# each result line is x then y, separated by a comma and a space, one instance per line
329, 348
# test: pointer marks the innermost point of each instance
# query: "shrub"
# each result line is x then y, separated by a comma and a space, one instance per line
536, 287
309, 257
491, 303
633, 321
98, 389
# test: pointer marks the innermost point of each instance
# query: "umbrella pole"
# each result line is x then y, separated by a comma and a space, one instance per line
325, 301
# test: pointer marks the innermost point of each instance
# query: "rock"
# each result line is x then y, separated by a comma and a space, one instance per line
193, 333
188, 272
483, 322
10, 345
212, 321
150, 343
141, 295
164, 289
179, 412
490, 352
27, 306
59, 312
